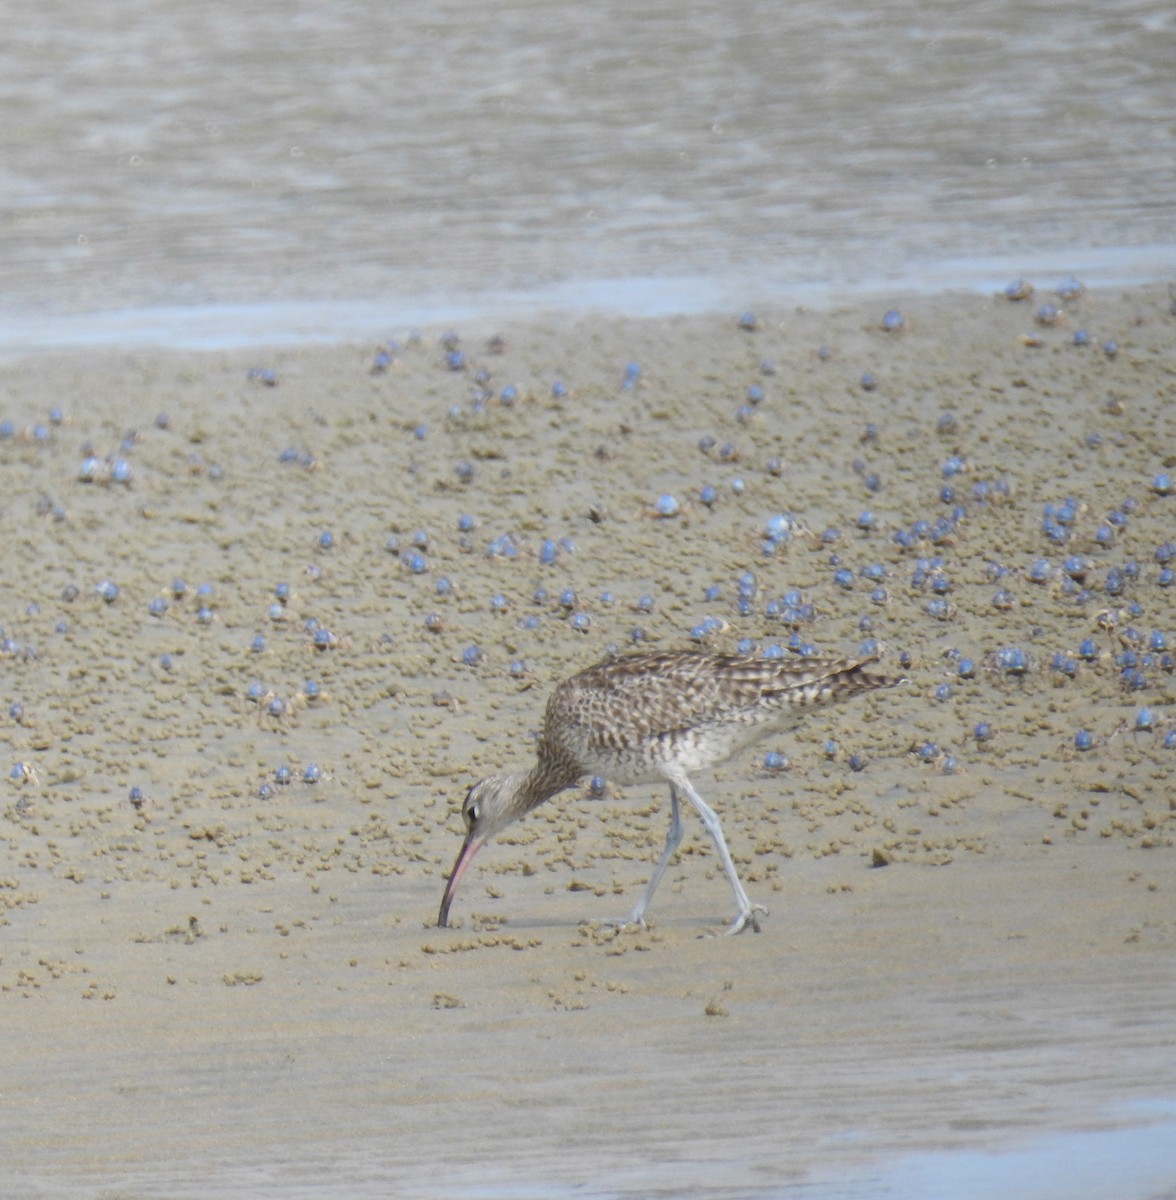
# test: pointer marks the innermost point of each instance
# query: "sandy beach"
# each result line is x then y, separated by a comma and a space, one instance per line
233, 779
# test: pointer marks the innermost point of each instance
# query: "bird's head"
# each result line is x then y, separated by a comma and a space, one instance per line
488, 808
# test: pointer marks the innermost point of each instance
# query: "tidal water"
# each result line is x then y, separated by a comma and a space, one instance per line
304, 169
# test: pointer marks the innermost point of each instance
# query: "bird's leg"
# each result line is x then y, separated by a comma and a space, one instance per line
673, 841
747, 911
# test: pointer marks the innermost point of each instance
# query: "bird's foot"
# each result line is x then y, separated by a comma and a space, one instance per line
635, 920
747, 917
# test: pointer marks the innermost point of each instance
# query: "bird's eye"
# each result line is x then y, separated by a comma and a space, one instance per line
471, 814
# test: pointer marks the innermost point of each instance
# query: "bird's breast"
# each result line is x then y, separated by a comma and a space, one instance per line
635, 758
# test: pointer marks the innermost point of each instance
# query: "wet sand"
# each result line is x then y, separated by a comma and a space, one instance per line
231, 984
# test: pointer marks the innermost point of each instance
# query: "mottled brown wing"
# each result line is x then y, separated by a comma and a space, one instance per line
640, 696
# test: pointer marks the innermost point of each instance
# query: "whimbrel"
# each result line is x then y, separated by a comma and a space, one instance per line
646, 717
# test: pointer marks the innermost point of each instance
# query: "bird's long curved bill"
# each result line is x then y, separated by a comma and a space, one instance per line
469, 848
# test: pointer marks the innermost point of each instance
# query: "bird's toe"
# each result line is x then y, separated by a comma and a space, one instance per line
749, 916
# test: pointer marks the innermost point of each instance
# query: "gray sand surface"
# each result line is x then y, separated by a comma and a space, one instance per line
234, 985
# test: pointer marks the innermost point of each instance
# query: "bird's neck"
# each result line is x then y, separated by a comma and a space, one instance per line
549, 775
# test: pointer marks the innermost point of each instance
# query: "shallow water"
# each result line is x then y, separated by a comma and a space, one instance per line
424, 155
1094, 1164
1118, 1162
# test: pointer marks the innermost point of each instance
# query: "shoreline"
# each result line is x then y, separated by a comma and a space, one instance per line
300, 322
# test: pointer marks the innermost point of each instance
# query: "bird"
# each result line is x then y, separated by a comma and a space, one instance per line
661, 716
